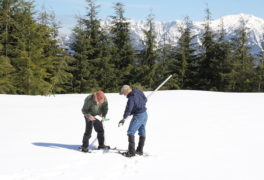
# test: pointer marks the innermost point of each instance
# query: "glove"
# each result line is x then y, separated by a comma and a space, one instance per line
121, 123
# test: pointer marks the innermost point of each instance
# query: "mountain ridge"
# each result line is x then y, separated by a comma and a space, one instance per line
169, 30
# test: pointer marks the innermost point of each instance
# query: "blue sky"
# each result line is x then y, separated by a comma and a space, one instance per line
164, 10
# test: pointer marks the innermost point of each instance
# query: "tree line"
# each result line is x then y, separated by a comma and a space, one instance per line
32, 62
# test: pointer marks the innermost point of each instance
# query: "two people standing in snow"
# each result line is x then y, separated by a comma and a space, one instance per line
136, 106
94, 104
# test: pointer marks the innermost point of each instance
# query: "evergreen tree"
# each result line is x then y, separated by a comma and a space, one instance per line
26, 54
61, 77
165, 54
90, 52
184, 64
8, 25
29, 45
242, 74
6, 70
122, 51
260, 70
223, 55
260, 77
208, 63
81, 71
149, 55
105, 69
56, 61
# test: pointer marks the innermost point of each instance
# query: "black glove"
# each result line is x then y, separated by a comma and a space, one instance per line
121, 123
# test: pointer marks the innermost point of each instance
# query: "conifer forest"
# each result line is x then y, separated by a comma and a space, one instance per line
33, 63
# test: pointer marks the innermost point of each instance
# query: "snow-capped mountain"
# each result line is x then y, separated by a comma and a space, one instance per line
169, 31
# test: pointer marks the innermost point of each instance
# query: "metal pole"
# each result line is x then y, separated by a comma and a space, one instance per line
157, 89
159, 86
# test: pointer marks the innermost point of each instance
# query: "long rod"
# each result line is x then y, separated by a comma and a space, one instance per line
157, 89
159, 86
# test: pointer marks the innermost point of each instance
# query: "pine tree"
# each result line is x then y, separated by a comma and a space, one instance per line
30, 45
208, 64
149, 55
80, 46
5, 23
184, 64
8, 26
90, 52
260, 76
56, 61
105, 69
165, 57
223, 55
259, 70
6, 70
22, 47
37, 48
122, 51
242, 74
61, 77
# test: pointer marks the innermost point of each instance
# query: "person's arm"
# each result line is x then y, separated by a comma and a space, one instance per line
105, 108
144, 97
86, 109
129, 107
128, 110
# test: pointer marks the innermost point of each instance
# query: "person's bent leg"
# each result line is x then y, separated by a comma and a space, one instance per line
98, 126
87, 134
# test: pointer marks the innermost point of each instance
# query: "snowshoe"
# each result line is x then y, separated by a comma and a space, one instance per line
127, 154
140, 153
83, 149
103, 147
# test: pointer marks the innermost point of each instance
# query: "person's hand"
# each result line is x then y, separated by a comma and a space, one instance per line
91, 118
102, 119
121, 123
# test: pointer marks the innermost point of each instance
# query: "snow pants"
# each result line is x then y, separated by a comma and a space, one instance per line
98, 127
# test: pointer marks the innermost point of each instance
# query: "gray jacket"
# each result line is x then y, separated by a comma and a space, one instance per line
90, 107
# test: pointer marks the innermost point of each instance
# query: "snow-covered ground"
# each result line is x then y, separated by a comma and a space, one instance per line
191, 135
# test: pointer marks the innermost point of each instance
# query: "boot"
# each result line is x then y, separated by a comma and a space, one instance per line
85, 141
103, 147
131, 147
101, 143
141, 143
83, 149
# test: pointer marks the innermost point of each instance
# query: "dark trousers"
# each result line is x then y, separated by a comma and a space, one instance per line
98, 127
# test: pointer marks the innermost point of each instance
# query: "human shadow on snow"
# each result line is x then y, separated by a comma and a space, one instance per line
57, 145
68, 146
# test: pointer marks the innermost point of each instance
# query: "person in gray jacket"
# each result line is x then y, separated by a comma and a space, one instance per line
94, 104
